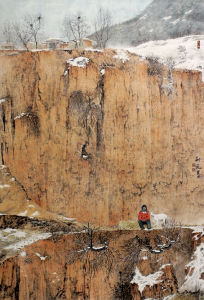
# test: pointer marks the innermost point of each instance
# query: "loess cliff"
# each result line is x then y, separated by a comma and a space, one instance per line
94, 138
59, 268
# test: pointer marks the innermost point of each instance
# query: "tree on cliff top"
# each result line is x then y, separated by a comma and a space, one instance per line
76, 28
93, 248
34, 25
8, 32
28, 30
102, 26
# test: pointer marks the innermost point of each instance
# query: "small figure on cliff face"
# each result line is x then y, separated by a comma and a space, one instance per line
144, 217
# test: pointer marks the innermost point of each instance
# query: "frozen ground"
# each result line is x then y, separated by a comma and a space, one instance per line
182, 52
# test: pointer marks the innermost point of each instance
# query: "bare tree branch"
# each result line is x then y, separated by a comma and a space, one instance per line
23, 34
93, 248
34, 24
8, 32
102, 26
28, 30
76, 28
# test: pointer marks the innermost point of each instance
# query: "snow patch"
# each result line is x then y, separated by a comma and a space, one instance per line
2, 100
39, 50
94, 50
171, 297
36, 213
31, 205
80, 62
21, 115
167, 18
13, 179
9, 233
193, 281
143, 17
176, 21
2, 167
2, 186
67, 219
103, 71
188, 12
41, 257
122, 55
23, 214
28, 241
143, 281
23, 254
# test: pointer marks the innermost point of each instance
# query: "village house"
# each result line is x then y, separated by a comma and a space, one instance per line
56, 43
7, 46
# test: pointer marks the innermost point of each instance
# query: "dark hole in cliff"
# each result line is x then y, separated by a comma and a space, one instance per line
99, 134
84, 154
3, 118
123, 288
68, 51
2, 153
77, 101
34, 121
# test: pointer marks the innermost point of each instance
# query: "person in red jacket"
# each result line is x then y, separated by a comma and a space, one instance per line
144, 217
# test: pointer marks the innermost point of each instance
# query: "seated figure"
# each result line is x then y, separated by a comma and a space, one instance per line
144, 217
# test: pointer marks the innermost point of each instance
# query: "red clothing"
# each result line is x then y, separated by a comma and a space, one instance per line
144, 216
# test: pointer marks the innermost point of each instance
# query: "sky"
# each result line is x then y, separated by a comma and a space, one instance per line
54, 11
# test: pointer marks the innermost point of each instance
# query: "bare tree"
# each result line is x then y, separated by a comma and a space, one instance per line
93, 246
34, 24
66, 28
8, 32
102, 26
28, 30
23, 34
76, 28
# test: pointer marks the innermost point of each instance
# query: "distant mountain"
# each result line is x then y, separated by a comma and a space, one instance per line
162, 19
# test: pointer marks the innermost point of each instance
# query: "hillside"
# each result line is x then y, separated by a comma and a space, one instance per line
162, 19
180, 53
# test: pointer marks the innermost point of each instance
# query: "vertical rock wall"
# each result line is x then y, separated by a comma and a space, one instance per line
96, 146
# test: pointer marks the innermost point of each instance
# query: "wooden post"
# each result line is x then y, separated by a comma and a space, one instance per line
198, 44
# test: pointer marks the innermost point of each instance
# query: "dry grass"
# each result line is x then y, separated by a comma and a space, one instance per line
129, 225
187, 297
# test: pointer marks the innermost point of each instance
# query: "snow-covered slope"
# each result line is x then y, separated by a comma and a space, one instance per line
162, 19
183, 52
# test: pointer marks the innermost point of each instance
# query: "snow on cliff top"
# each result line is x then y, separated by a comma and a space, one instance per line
182, 50
193, 281
80, 62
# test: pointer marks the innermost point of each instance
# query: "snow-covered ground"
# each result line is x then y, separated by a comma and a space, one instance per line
80, 62
15, 239
193, 281
183, 52
149, 280
2, 100
122, 55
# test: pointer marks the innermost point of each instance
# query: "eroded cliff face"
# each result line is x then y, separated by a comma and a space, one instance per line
59, 268
96, 145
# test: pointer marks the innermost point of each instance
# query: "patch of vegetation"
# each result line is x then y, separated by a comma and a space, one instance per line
34, 121
154, 67
188, 297
129, 225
